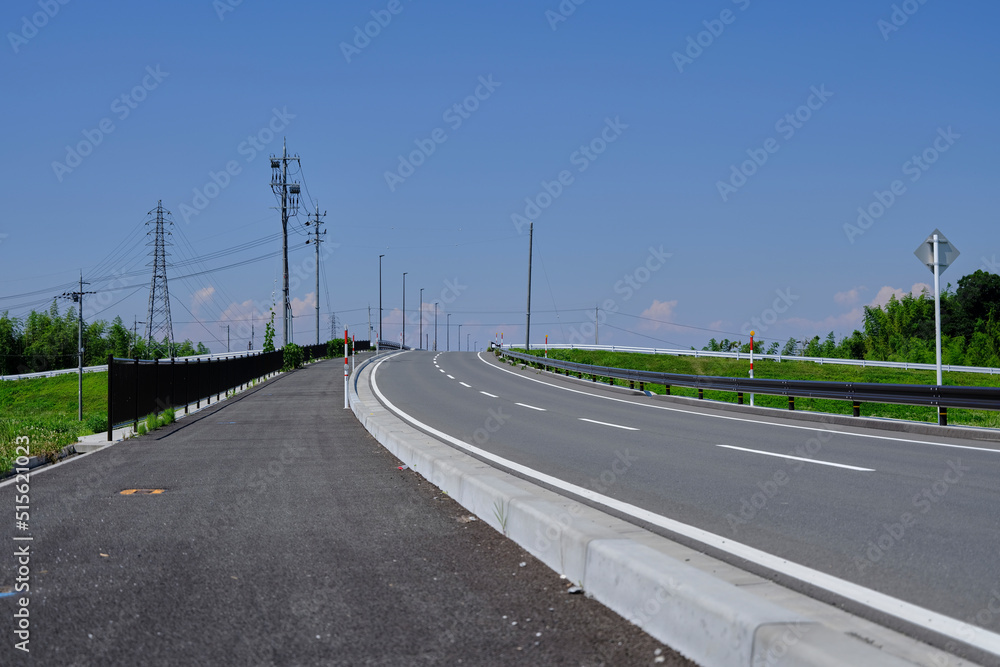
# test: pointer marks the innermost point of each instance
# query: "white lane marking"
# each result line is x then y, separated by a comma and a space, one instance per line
925, 618
466, 385
485, 393
441, 370
594, 421
798, 458
530, 407
451, 377
743, 419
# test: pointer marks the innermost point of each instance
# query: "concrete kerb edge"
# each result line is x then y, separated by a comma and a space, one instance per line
710, 621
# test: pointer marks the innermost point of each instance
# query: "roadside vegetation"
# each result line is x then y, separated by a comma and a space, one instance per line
795, 370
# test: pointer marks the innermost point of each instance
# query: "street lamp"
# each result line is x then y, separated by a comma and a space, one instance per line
420, 337
404, 309
379, 299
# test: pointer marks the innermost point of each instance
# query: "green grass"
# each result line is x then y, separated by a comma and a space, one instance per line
796, 370
44, 410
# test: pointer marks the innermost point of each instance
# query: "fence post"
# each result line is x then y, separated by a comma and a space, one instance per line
111, 393
187, 379
135, 398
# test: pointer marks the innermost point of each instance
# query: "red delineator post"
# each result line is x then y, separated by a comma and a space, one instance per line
346, 342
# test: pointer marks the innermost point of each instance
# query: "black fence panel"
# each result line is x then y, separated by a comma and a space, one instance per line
137, 387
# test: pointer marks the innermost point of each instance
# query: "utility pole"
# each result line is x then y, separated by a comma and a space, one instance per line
289, 193
447, 333
227, 337
158, 323
527, 325
316, 240
459, 337
435, 326
77, 297
135, 335
597, 319
403, 341
420, 335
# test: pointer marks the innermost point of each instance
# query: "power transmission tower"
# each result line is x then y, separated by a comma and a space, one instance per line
289, 193
316, 240
77, 297
158, 323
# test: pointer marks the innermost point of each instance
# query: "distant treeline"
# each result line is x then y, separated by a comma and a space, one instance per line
47, 341
903, 329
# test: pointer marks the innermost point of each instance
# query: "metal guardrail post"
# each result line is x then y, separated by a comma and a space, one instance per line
942, 416
642, 386
791, 402
701, 393
666, 390
857, 409
739, 398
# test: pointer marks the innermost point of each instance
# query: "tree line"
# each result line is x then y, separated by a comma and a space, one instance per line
47, 340
903, 329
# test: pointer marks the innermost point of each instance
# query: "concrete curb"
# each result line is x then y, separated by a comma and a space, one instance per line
708, 619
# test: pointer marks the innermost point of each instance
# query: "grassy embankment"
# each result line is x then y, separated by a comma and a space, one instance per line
797, 370
44, 410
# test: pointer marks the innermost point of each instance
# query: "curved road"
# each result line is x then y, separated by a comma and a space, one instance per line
912, 518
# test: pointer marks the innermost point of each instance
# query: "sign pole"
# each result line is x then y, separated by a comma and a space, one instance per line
346, 342
937, 307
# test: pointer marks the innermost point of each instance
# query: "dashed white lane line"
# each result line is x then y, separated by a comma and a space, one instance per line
451, 377
466, 385
530, 407
486, 393
594, 421
441, 370
798, 458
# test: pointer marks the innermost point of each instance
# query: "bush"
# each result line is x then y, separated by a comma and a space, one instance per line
142, 428
97, 423
152, 423
169, 416
292, 356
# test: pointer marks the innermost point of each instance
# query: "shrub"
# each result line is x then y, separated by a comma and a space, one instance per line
169, 416
292, 356
97, 423
152, 423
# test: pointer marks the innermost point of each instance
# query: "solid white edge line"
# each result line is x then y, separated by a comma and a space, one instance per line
531, 407
594, 421
798, 458
909, 612
743, 419
485, 393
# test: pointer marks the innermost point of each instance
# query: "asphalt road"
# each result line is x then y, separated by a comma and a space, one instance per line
908, 516
284, 535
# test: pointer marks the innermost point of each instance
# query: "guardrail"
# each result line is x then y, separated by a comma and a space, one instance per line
942, 397
863, 363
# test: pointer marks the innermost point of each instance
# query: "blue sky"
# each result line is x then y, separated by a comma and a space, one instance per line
713, 158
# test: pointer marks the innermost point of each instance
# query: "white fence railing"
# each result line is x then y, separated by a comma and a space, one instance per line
103, 368
863, 363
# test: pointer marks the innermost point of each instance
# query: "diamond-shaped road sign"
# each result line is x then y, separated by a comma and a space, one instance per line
947, 253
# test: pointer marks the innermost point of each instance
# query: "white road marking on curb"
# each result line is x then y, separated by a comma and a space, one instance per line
594, 421
798, 458
530, 407
919, 616
488, 394
466, 385
742, 419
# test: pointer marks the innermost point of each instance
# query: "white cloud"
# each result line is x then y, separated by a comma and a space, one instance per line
663, 311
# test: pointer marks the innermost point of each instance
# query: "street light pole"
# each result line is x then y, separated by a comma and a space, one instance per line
447, 333
459, 337
379, 300
420, 337
435, 326
404, 309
